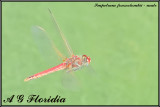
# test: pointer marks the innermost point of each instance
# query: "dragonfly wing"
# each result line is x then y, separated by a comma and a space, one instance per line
45, 44
70, 82
61, 34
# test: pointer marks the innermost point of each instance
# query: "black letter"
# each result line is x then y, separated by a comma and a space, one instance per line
62, 100
30, 98
20, 98
9, 99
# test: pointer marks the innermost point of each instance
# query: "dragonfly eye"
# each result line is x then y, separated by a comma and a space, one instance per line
88, 59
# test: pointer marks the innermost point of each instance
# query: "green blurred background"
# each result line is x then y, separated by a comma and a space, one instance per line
122, 44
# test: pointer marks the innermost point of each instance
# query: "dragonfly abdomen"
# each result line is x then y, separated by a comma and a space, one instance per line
51, 70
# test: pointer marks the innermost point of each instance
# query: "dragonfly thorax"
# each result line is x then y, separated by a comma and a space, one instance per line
76, 62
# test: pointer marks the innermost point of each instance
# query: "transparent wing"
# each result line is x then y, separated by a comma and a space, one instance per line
61, 34
45, 45
70, 81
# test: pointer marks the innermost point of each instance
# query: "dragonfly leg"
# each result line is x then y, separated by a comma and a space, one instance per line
76, 63
69, 68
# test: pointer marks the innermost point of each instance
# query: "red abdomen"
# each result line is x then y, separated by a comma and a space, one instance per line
53, 69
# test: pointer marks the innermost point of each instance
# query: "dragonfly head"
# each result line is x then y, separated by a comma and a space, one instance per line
86, 59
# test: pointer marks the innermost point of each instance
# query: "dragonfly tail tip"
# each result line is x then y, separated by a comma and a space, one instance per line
25, 80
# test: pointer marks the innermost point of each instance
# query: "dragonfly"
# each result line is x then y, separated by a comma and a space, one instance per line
72, 63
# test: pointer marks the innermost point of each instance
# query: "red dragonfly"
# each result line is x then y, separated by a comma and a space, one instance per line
74, 63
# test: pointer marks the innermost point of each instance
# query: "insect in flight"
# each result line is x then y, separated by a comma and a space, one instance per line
73, 63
